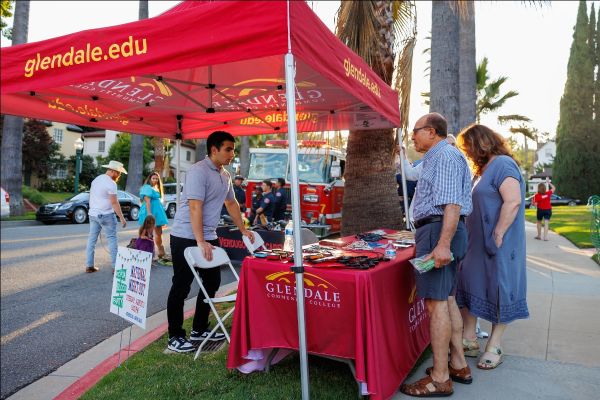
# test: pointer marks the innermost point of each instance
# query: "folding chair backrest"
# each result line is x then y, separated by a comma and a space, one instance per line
258, 242
194, 256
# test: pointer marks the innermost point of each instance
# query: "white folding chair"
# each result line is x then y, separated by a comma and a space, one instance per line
195, 259
258, 242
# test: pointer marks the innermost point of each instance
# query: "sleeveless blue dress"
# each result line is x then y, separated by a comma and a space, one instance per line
156, 206
492, 281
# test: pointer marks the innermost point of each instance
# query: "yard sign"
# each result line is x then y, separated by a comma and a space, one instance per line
131, 280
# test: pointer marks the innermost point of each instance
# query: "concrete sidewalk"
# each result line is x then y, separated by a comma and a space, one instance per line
553, 355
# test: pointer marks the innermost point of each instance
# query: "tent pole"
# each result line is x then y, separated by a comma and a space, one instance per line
177, 169
298, 268
405, 197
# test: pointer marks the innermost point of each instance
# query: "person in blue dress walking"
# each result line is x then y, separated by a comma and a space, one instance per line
492, 278
151, 195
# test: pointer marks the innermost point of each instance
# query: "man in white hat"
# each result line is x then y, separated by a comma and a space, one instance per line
103, 207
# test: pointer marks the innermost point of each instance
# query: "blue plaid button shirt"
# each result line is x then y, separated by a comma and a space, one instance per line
446, 179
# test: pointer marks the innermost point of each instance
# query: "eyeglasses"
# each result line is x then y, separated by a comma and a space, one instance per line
423, 127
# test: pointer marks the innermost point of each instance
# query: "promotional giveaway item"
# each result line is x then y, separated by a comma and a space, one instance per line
425, 266
129, 297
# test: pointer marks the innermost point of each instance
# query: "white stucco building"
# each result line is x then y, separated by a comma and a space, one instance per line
545, 154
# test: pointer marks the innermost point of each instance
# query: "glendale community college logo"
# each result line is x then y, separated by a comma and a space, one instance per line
416, 312
136, 90
317, 291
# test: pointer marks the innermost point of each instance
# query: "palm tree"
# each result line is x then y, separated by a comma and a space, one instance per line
445, 65
374, 30
136, 155
12, 131
244, 155
528, 133
489, 98
442, 93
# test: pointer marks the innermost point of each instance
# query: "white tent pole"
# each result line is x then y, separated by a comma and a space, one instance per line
298, 268
405, 194
177, 170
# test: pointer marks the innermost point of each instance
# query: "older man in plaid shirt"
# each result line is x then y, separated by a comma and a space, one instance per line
442, 200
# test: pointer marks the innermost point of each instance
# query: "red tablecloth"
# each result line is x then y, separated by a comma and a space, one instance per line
371, 316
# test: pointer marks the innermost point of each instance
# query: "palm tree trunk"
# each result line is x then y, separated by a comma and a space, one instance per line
444, 76
467, 77
136, 154
12, 133
159, 155
370, 196
136, 164
200, 149
244, 156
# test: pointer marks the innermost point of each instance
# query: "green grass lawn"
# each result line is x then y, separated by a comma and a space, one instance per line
151, 374
56, 197
29, 215
570, 222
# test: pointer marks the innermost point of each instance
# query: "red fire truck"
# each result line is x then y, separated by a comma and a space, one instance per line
320, 168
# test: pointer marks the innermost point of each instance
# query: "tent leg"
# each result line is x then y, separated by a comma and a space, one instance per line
298, 267
406, 209
177, 170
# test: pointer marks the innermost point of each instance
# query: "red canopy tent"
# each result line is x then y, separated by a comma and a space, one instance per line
201, 67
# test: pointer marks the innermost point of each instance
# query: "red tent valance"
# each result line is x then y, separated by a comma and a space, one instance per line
200, 67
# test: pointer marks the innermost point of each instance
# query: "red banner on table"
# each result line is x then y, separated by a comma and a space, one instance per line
372, 317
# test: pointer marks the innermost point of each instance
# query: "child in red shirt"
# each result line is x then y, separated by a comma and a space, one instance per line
541, 200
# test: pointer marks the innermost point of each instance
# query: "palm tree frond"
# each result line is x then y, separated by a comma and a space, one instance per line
404, 79
504, 119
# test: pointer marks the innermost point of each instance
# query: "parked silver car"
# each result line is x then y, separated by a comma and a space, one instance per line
170, 198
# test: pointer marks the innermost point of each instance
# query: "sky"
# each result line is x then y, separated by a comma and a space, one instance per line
528, 44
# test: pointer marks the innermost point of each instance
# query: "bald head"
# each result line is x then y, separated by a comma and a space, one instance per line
437, 122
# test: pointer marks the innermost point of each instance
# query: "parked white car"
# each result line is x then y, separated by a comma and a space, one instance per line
170, 198
5, 203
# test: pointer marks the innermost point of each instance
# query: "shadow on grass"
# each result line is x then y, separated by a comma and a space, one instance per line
151, 374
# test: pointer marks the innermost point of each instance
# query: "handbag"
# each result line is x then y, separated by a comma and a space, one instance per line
132, 244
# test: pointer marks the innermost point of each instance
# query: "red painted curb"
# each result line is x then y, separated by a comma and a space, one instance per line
87, 381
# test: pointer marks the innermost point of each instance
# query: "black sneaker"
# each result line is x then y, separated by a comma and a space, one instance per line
180, 345
198, 337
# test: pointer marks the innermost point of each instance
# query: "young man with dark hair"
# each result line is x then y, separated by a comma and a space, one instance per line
266, 206
280, 203
207, 186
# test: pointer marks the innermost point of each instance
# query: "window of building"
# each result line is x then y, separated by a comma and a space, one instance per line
57, 135
188, 156
101, 146
59, 172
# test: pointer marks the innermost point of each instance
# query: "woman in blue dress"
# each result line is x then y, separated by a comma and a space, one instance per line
492, 278
151, 195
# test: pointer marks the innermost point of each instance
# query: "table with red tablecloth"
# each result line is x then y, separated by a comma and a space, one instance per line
372, 317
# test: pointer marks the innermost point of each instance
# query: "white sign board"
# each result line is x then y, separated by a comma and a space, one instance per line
129, 296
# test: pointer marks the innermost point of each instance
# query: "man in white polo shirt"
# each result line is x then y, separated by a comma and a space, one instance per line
103, 206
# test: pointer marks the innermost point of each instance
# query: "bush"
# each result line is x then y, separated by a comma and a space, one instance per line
62, 185
33, 195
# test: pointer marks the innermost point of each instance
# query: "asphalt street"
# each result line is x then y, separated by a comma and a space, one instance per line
51, 310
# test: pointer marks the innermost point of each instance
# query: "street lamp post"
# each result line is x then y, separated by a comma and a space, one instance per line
78, 150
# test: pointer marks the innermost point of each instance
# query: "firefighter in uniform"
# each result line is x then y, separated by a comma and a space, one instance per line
257, 197
280, 206
240, 193
265, 211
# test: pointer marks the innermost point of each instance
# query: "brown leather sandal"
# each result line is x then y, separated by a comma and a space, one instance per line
427, 387
462, 375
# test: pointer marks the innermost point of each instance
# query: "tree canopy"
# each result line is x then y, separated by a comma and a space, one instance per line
577, 137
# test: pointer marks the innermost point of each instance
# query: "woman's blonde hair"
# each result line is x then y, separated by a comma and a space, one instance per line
480, 144
160, 184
